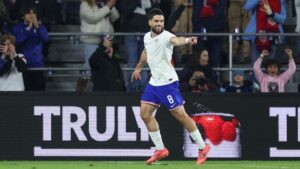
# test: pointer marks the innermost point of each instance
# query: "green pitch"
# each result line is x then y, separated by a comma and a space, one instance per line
142, 165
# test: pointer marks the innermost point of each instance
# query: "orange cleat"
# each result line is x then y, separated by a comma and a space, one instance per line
158, 154
203, 154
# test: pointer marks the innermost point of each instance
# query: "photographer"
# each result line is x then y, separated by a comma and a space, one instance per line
198, 83
11, 65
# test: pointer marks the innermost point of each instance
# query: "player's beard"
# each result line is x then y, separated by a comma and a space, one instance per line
157, 32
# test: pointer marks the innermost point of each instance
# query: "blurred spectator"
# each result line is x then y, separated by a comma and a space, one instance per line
165, 6
209, 16
198, 83
240, 84
267, 16
237, 20
30, 36
96, 17
12, 65
58, 7
290, 21
297, 7
134, 19
71, 11
107, 74
173, 24
6, 22
44, 10
199, 60
273, 81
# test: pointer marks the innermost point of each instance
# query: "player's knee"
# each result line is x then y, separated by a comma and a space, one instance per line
145, 117
180, 116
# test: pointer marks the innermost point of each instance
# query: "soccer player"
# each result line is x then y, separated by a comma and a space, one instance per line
164, 86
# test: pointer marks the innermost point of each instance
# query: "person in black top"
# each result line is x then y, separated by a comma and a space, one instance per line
199, 60
12, 65
240, 84
106, 71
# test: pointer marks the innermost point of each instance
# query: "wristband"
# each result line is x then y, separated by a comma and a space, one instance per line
271, 15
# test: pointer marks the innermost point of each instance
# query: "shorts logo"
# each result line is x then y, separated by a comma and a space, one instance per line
172, 106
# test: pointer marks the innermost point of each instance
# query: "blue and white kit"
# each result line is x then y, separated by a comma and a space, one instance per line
163, 86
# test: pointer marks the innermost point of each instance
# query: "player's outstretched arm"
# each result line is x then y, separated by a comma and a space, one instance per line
178, 41
136, 74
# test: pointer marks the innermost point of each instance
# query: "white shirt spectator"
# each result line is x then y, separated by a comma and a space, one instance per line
12, 80
96, 20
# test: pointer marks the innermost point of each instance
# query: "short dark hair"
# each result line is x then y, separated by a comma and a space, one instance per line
270, 62
26, 10
155, 11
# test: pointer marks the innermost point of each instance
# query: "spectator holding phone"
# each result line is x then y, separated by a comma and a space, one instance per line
106, 71
273, 80
96, 16
12, 65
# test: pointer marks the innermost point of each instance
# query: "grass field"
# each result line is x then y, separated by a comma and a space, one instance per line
142, 165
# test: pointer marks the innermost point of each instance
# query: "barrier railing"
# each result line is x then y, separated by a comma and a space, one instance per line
75, 37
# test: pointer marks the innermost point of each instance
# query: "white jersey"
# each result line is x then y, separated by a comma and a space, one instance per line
12, 80
159, 55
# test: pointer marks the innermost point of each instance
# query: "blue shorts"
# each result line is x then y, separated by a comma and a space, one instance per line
168, 94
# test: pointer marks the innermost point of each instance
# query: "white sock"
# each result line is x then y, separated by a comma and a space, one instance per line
196, 136
157, 140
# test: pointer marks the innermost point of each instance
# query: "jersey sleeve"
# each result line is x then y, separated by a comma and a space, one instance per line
145, 40
168, 37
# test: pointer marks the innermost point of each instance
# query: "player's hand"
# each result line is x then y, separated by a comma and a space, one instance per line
193, 40
136, 75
